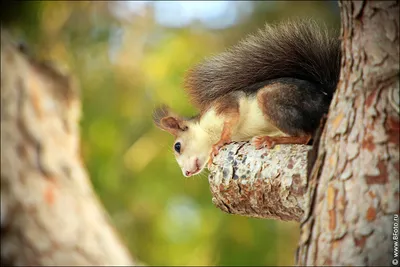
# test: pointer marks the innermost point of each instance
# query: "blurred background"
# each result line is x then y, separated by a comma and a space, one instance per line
130, 56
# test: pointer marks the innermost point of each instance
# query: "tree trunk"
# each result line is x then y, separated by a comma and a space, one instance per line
49, 212
356, 173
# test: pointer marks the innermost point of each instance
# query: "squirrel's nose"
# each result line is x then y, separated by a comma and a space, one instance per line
187, 173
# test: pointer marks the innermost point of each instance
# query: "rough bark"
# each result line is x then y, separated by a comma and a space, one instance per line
356, 175
49, 212
266, 183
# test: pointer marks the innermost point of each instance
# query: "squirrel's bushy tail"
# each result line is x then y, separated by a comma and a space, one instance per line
299, 49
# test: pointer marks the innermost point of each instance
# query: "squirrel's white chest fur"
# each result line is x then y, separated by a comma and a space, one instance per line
251, 122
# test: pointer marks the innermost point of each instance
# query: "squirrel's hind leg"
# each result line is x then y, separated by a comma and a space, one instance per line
295, 107
268, 141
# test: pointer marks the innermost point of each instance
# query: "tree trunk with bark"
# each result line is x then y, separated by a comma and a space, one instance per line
357, 170
49, 212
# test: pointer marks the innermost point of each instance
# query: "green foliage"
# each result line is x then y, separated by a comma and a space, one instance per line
127, 66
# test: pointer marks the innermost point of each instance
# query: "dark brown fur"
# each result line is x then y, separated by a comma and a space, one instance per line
298, 49
294, 106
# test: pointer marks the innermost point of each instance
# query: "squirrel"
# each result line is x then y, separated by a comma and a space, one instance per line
272, 88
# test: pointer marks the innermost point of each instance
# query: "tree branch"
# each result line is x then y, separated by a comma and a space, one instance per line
266, 183
49, 212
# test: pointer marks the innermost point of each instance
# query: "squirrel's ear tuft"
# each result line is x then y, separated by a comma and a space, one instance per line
164, 119
159, 113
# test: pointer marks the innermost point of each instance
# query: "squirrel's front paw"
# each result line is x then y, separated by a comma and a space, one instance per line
214, 153
263, 141
215, 150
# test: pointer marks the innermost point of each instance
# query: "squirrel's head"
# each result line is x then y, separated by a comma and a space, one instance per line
192, 145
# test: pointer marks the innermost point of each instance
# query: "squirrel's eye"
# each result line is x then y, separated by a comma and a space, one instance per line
177, 147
